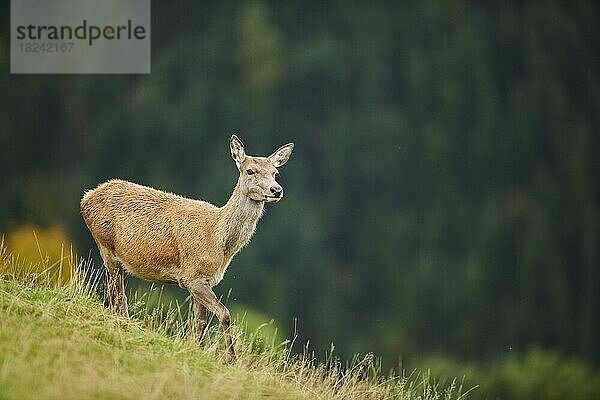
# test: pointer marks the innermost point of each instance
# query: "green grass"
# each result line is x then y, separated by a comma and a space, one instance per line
57, 341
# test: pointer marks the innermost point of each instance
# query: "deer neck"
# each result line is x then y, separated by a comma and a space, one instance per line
238, 219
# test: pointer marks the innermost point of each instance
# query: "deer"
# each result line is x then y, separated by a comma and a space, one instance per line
165, 238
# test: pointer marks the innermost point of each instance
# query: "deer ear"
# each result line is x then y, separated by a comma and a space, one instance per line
281, 155
237, 150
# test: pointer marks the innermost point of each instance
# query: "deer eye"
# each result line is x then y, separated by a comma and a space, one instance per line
249, 171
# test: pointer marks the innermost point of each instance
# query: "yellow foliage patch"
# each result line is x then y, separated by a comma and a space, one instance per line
40, 250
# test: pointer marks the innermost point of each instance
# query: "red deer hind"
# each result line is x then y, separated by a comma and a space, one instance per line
163, 237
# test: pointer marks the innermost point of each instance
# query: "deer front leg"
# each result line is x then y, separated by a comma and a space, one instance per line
203, 294
200, 321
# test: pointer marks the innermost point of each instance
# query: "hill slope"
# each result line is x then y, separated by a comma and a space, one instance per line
56, 345
60, 342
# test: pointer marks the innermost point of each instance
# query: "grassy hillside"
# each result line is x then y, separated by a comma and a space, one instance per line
57, 341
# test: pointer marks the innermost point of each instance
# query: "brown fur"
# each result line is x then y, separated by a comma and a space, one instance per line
163, 237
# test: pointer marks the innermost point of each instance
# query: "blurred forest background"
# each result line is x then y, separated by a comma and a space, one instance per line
442, 203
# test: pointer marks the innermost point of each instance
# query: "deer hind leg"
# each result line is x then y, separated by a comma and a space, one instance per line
204, 295
115, 282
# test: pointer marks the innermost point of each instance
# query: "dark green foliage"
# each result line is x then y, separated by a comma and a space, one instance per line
443, 196
537, 375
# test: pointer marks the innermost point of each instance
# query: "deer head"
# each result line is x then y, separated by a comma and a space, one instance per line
258, 174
